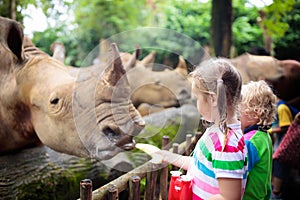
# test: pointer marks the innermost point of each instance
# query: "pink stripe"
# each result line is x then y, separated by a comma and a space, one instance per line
195, 197
204, 186
216, 142
241, 144
228, 148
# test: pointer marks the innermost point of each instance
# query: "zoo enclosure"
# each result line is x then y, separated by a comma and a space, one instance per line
149, 171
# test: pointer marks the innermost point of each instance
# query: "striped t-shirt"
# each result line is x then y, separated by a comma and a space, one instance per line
210, 162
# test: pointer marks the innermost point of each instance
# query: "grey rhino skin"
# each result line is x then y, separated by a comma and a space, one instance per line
81, 112
282, 75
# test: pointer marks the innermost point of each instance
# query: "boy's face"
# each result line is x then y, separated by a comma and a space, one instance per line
245, 119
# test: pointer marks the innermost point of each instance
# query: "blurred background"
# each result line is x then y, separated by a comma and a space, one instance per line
227, 28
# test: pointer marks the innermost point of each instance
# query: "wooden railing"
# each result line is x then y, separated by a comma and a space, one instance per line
149, 171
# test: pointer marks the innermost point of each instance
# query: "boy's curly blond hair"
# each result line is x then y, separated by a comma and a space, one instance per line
259, 102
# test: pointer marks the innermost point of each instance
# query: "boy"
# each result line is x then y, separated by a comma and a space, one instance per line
257, 112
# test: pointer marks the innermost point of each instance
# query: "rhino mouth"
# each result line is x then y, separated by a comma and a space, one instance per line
122, 141
126, 143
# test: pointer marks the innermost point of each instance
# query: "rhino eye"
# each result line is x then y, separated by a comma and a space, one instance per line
54, 100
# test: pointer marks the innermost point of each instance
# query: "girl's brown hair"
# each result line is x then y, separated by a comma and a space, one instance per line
219, 76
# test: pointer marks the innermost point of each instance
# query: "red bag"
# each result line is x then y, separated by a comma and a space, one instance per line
186, 188
180, 187
174, 190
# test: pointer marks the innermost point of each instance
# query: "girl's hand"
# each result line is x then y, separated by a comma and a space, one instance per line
152, 151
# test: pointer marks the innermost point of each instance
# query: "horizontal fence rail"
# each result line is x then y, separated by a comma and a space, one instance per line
149, 171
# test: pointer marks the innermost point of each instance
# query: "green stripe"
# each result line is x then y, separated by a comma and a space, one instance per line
229, 165
205, 151
219, 164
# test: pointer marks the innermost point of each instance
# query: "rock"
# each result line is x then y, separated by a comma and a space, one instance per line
41, 173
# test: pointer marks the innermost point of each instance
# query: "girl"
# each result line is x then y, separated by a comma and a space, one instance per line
219, 159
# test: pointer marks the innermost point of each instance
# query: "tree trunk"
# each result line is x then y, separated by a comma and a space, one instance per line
12, 11
268, 41
221, 22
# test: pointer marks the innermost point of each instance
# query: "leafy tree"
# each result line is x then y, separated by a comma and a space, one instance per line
18, 6
288, 46
102, 19
245, 28
274, 24
59, 29
190, 18
6, 10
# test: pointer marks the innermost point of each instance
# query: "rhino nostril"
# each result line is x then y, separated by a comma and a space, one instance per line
184, 93
109, 132
54, 100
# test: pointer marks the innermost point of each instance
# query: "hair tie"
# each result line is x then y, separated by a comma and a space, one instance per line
219, 80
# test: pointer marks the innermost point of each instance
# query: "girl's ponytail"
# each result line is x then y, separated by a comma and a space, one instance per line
222, 109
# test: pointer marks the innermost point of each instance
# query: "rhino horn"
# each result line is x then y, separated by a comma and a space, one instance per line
115, 71
136, 55
149, 59
181, 66
14, 40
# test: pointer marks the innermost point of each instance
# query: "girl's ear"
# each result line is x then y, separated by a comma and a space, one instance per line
213, 98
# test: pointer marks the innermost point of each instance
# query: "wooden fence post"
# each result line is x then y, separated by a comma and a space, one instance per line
188, 149
151, 183
163, 183
113, 192
175, 150
86, 189
148, 169
134, 188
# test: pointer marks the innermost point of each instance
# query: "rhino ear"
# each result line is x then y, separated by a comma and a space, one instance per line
181, 66
15, 40
114, 72
136, 55
149, 59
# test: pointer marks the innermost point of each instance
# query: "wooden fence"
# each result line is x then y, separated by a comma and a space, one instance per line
149, 171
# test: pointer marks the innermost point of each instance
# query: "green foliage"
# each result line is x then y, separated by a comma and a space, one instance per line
103, 19
245, 28
106, 18
190, 18
20, 6
44, 39
275, 12
288, 47
155, 134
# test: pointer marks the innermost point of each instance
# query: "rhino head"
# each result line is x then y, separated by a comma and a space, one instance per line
167, 88
71, 110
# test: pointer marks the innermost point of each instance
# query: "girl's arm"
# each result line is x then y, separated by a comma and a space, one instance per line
230, 188
175, 159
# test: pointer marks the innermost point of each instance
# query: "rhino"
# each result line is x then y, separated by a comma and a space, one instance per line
163, 89
58, 50
282, 75
81, 112
286, 87
151, 90
257, 67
